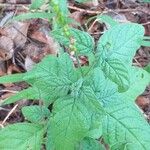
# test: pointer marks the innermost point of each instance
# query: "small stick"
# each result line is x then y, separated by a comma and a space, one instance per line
84, 10
13, 109
10, 91
25, 6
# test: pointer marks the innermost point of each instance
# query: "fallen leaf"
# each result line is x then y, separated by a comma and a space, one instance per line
142, 101
39, 36
18, 33
6, 48
78, 17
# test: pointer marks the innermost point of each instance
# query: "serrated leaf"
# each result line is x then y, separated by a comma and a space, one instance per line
139, 80
35, 114
104, 89
116, 71
68, 126
21, 136
90, 144
50, 79
125, 127
71, 119
95, 131
117, 47
34, 15
83, 41
121, 42
54, 75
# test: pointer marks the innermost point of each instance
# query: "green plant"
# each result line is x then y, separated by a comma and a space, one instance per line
87, 102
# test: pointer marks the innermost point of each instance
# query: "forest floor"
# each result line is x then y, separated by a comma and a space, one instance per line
23, 44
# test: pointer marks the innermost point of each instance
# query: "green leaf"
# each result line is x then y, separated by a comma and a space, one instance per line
12, 78
29, 93
95, 131
35, 114
50, 79
104, 89
121, 42
115, 70
37, 4
107, 19
147, 68
90, 144
54, 76
116, 48
71, 119
69, 125
62, 6
145, 43
139, 80
34, 15
21, 136
145, 1
124, 126
83, 41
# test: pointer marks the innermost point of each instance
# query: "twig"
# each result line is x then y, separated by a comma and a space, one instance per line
90, 28
146, 23
10, 91
109, 10
137, 62
13, 109
92, 12
85, 10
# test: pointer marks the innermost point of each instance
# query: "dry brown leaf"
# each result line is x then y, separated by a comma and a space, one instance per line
39, 36
6, 48
78, 17
142, 101
18, 33
2, 68
12, 68
6, 95
51, 47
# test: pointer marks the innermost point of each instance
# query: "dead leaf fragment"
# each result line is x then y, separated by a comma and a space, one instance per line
6, 48
78, 17
142, 101
18, 33
39, 36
